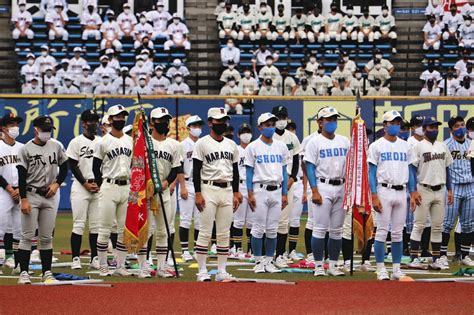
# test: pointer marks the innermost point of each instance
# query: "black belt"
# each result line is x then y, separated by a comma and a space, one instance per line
40, 191
188, 179
119, 182
15, 187
433, 188
241, 181
217, 184
90, 181
270, 187
334, 182
395, 187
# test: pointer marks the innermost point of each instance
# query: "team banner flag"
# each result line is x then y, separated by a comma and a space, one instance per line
356, 189
142, 188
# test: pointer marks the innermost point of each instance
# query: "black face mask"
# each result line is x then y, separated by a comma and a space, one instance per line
92, 129
91, 10
161, 127
229, 136
118, 124
219, 129
104, 64
467, 85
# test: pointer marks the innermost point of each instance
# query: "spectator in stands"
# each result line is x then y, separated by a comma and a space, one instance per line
304, 89
105, 86
260, 57
57, 21
366, 26
467, 10
466, 33
123, 85
281, 25
77, 63
230, 72
177, 67
178, 87
315, 23
450, 84
461, 65
113, 60
142, 88
322, 83
104, 68
264, 22
348, 64
48, 6
219, 8
333, 26
288, 85
451, 22
90, 21
469, 72
358, 84
227, 22
126, 22
142, 30
86, 81
147, 60
178, 34
430, 89
340, 72
160, 19
385, 28
230, 52
67, 87
466, 89
378, 89
386, 64
63, 71
431, 73
32, 88
379, 73
342, 88
139, 70
268, 89
432, 35
350, 25
232, 105
45, 60
269, 71
110, 33
246, 24
312, 63
159, 83
22, 21
49, 81
298, 26
435, 8
301, 71
30, 69
248, 84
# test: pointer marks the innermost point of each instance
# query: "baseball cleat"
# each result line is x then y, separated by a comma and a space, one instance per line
24, 278
280, 262
319, 271
1, 271
76, 263
35, 257
16, 270
443, 260
48, 277
203, 276
436, 265
259, 267
104, 271
122, 272
94, 263
416, 264
347, 266
270, 267
54, 259
240, 255
294, 256
186, 256
309, 259
144, 274
287, 258
467, 261
10, 262
165, 271
382, 274
397, 274
335, 272
366, 266
225, 277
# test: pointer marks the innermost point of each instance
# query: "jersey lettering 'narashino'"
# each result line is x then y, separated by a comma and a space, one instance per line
119, 151
219, 155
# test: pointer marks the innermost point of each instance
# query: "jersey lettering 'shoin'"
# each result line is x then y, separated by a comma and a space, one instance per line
333, 152
269, 158
393, 156
428, 156
9, 159
214, 156
164, 156
117, 152
86, 152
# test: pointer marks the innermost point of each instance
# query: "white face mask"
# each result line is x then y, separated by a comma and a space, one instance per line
176, 21
106, 80
378, 56
384, 12
127, 11
140, 63
14, 132
58, 10
232, 83
31, 61
468, 23
142, 83
160, 9
143, 20
195, 132
44, 53
281, 124
22, 9
245, 137
321, 72
346, 59
358, 75
247, 74
231, 67
378, 67
350, 12
471, 135
159, 73
178, 80
269, 62
230, 45
44, 136
419, 131
312, 59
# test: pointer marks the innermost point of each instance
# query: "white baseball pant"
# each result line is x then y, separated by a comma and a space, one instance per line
391, 35
332, 35
29, 33
91, 33
313, 36
297, 209
84, 205
188, 212
361, 37
61, 33
432, 203
267, 212
10, 221
329, 216
284, 221
435, 45
393, 215
251, 35
244, 216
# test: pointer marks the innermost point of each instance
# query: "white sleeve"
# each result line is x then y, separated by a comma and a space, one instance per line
249, 156
98, 150
311, 152
197, 152
373, 154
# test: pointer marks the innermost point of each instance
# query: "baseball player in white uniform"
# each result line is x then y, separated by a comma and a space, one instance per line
389, 161
188, 211
111, 167
22, 20
10, 195
325, 159
216, 186
84, 190
265, 162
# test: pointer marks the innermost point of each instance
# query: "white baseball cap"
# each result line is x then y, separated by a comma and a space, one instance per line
109, 51
77, 49
391, 115
122, 69
65, 60
177, 62
328, 112
176, 16
266, 117
103, 57
44, 47
217, 113
30, 55
193, 120
105, 119
86, 67
115, 110
160, 112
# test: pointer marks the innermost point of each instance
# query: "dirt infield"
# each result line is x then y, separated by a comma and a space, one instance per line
370, 297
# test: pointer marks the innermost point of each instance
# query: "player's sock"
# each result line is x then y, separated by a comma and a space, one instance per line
457, 243
238, 233
93, 244
397, 251
317, 246
414, 249
281, 244
367, 250
389, 243
34, 241
465, 245
8, 244
248, 232
196, 234
149, 245
24, 259
326, 247
76, 241
113, 239
308, 235
102, 252
222, 255
435, 246
444, 244
406, 241
270, 246
184, 238
334, 248
293, 238
121, 254
141, 257
263, 242
161, 252
213, 235
46, 259
257, 246
231, 236
201, 256
346, 249
425, 241
16, 243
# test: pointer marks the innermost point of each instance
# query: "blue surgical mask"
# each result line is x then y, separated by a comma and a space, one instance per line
268, 132
460, 133
393, 130
330, 126
404, 135
431, 135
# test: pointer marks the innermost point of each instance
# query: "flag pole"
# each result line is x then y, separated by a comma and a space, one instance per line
160, 195
357, 113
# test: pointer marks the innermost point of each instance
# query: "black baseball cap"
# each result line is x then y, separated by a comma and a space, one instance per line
453, 120
89, 115
44, 123
405, 124
430, 121
470, 123
291, 125
9, 118
244, 127
280, 111
416, 121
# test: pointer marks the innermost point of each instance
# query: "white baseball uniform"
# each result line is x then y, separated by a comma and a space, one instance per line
244, 215
21, 19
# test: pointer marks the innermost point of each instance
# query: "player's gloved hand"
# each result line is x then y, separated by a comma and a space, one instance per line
316, 197
450, 197
25, 206
183, 192
52, 189
415, 200
376, 203
284, 201
236, 200
252, 201
200, 202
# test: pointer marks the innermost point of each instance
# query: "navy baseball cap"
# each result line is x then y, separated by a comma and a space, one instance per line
470, 123
429, 121
9, 118
89, 115
44, 123
244, 127
280, 111
416, 121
